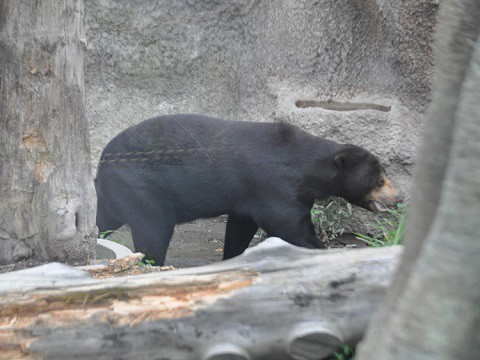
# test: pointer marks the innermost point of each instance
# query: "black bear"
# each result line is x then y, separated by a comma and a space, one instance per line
174, 169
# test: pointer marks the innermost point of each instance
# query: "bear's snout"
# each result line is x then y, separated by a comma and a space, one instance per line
385, 197
400, 197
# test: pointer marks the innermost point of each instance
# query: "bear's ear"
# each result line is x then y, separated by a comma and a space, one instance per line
349, 156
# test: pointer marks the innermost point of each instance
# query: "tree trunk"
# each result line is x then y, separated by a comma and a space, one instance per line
276, 301
47, 208
432, 310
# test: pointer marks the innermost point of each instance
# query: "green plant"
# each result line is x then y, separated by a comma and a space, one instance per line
104, 234
329, 216
391, 229
346, 353
146, 262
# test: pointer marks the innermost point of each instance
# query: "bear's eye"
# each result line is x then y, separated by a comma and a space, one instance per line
380, 183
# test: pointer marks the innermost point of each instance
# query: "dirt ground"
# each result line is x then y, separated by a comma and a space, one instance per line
193, 244
201, 242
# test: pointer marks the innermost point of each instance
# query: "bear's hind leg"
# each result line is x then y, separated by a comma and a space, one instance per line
239, 233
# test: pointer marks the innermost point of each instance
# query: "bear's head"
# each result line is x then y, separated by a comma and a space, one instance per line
362, 181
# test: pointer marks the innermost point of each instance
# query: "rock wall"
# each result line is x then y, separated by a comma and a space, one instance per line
356, 71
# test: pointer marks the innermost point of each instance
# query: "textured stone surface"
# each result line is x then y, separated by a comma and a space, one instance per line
254, 60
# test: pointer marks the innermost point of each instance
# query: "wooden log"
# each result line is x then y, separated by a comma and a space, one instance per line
276, 301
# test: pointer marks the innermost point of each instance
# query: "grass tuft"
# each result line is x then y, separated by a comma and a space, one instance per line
346, 353
390, 230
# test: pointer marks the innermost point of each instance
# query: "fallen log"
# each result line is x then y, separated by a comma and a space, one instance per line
276, 301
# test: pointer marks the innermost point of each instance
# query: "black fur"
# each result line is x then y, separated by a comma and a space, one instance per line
174, 169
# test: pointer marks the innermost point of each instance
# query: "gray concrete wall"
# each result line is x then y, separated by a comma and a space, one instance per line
254, 60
